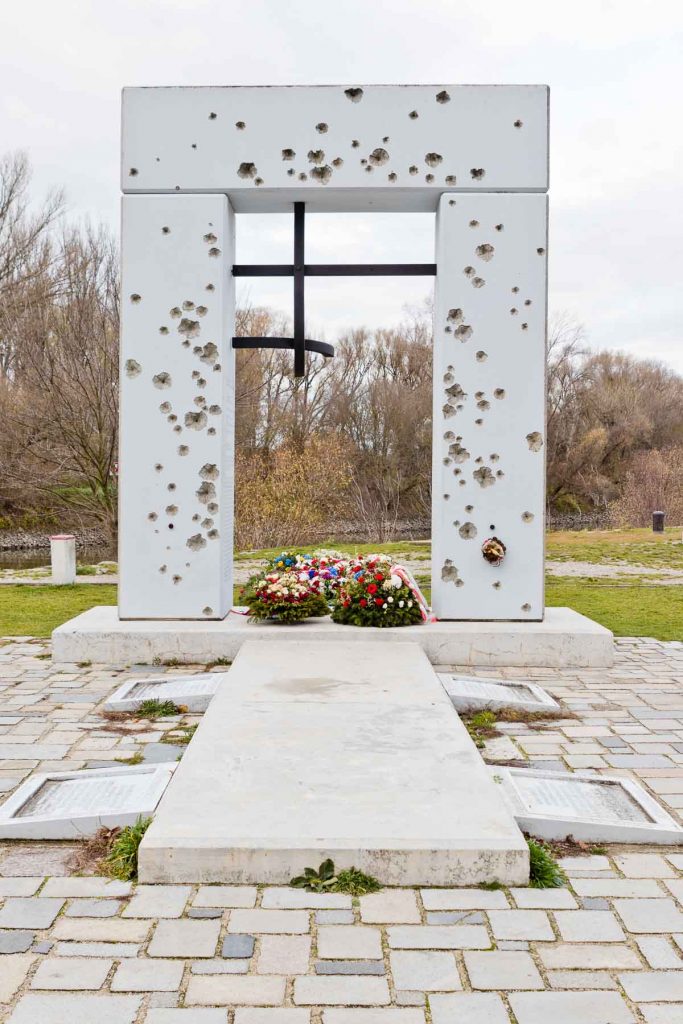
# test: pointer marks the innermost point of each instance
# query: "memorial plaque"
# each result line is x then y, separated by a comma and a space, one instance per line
469, 693
191, 692
591, 808
68, 805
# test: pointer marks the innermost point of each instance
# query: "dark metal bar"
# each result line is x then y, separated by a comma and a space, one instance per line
322, 348
299, 283
336, 270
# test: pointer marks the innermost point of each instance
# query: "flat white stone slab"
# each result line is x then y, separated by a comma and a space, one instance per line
71, 805
467, 693
591, 808
349, 751
564, 639
191, 692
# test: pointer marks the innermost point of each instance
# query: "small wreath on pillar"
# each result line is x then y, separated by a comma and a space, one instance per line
493, 550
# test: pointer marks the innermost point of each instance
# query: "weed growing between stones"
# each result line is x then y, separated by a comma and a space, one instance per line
153, 708
544, 871
122, 859
324, 879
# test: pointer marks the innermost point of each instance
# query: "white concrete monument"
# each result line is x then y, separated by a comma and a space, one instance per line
63, 558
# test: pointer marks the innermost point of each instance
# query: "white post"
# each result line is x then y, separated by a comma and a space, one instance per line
177, 407
489, 405
63, 558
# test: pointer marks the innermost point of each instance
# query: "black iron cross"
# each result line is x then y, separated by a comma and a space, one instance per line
299, 270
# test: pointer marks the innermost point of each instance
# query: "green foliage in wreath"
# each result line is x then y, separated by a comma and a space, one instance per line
308, 607
357, 603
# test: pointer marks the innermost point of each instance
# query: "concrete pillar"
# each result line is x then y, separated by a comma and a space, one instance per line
63, 558
489, 406
177, 407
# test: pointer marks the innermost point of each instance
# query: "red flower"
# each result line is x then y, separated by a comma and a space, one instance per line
372, 589
379, 601
362, 602
379, 576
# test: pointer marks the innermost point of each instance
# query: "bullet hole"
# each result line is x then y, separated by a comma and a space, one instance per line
535, 441
158, 467
209, 471
525, 327
355, 143
337, 162
321, 128
442, 97
481, 356
152, 516
477, 173
196, 542
291, 172
458, 453
177, 579
499, 227
210, 288
369, 169
162, 568
514, 311
215, 410
494, 457
378, 157
166, 231
485, 252
162, 380
212, 507
183, 449
133, 171
355, 94
165, 407
483, 405
413, 115
207, 523
194, 145
455, 391
209, 353
240, 125
515, 289
393, 176
526, 607
448, 378
172, 419
452, 202
246, 170
446, 462
527, 517
518, 123
499, 393
171, 510
413, 169
185, 343
478, 282
201, 382
135, 298
171, 526
479, 394
189, 328
195, 420
200, 401
213, 534
449, 573
484, 477
474, 223
527, 302
178, 429
196, 518
188, 304
478, 422
214, 252
449, 435
212, 116
540, 251
163, 330
175, 312
463, 332
206, 492
201, 310
133, 368
211, 431
258, 181
496, 585
455, 316
316, 156
469, 271
288, 154
429, 178
478, 459
385, 139
433, 159
322, 174
303, 177
363, 163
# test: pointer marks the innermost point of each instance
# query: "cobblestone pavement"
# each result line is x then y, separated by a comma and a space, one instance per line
606, 949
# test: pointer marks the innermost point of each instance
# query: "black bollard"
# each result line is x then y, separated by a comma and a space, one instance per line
658, 522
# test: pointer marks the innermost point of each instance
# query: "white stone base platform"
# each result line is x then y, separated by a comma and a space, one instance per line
564, 639
350, 751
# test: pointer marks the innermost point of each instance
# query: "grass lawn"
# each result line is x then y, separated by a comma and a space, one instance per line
639, 547
36, 611
626, 609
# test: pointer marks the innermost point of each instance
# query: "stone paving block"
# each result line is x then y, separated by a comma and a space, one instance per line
581, 865
350, 967
468, 1008
278, 1015
75, 1009
644, 865
269, 922
158, 901
589, 956
394, 906
116, 950
185, 939
415, 936
93, 908
502, 970
521, 924
221, 966
322, 990
86, 929
544, 899
283, 954
623, 887
589, 926
13, 971
224, 989
225, 896
464, 899
388, 1015
425, 971
659, 952
29, 912
238, 946
43, 946
410, 999
647, 916
20, 886
570, 1008
90, 887
298, 899
662, 1013
195, 1015
65, 974
147, 976
334, 917
456, 917
675, 887
342, 942
205, 913
653, 986
581, 979
15, 942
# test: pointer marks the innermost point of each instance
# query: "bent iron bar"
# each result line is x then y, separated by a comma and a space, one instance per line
300, 270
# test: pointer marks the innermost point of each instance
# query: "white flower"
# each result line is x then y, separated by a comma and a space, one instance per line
410, 604
390, 600
401, 604
385, 606
396, 582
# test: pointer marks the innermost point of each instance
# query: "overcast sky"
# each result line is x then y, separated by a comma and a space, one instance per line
614, 68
